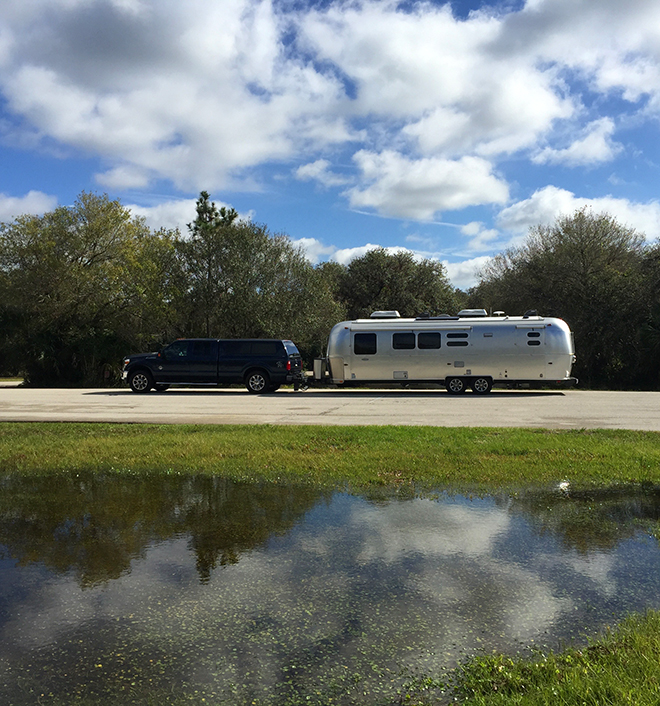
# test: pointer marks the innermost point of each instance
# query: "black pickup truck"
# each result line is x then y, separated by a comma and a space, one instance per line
262, 365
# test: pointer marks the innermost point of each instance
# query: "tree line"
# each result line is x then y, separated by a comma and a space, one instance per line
84, 285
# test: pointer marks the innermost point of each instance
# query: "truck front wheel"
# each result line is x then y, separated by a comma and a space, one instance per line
140, 381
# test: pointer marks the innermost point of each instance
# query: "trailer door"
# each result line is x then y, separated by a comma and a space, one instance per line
530, 352
364, 361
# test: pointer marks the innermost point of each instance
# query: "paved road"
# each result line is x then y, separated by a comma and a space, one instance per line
559, 410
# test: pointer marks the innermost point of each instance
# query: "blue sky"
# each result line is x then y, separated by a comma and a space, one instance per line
447, 129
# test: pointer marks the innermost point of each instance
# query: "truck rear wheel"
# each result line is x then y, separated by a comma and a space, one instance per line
257, 382
141, 381
455, 386
482, 385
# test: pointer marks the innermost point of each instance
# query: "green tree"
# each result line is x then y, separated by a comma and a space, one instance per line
75, 287
649, 372
586, 269
242, 282
395, 281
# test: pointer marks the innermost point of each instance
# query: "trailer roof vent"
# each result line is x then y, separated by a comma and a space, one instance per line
385, 315
467, 313
443, 317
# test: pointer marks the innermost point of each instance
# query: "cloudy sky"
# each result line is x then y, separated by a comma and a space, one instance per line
447, 129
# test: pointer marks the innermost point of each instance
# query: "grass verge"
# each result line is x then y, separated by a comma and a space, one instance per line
354, 457
621, 667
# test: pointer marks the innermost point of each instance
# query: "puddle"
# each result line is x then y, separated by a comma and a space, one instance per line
170, 589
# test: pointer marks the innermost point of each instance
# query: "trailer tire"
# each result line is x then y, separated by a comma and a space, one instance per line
455, 386
481, 385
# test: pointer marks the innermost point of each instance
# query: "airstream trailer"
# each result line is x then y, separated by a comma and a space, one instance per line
470, 350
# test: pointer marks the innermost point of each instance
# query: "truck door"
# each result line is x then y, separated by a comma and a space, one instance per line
233, 355
203, 361
173, 363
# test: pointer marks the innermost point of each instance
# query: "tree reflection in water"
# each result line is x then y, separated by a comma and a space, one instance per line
96, 525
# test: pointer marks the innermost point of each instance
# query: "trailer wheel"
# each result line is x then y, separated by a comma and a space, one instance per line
482, 386
455, 386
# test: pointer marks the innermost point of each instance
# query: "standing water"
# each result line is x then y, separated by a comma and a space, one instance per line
171, 589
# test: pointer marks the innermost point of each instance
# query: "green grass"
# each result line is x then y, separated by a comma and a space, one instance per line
355, 457
621, 667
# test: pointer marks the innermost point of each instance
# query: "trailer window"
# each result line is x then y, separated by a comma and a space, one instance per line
534, 335
457, 334
364, 344
403, 341
428, 340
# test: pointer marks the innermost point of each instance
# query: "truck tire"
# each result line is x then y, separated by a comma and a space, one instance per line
455, 386
141, 381
481, 385
257, 382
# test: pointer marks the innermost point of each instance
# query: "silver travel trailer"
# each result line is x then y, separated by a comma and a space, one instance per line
470, 350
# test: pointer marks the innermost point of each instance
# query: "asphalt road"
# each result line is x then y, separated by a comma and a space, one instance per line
549, 409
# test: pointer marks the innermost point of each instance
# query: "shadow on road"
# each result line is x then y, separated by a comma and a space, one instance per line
495, 395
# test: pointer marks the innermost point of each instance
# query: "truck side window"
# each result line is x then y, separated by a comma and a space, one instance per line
202, 350
403, 341
266, 349
428, 340
231, 349
364, 344
176, 350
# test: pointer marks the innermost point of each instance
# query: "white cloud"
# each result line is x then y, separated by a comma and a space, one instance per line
315, 251
169, 215
193, 93
438, 74
33, 203
545, 205
345, 255
204, 94
124, 177
419, 189
595, 145
464, 274
175, 214
480, 238
320, 171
